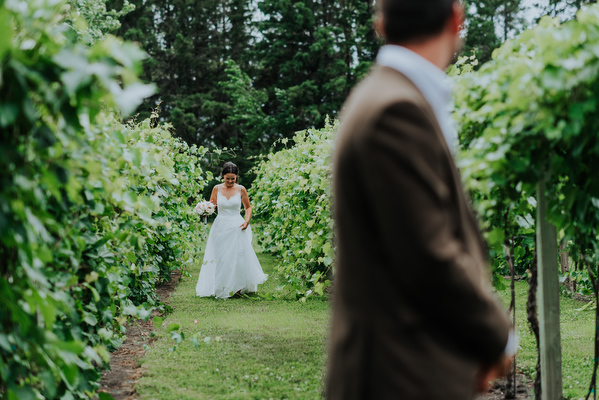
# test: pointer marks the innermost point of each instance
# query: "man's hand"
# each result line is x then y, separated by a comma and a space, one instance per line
488, 373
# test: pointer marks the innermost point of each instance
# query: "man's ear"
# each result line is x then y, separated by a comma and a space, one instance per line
457, 18
379, 25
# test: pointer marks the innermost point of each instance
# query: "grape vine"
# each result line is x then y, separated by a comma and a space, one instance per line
93, 213
292, 198
528, 114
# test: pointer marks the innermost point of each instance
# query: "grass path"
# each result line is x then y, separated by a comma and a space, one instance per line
576, 328
249, 348
269, 348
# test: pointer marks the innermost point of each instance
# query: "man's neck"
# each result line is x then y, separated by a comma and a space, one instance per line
437, 51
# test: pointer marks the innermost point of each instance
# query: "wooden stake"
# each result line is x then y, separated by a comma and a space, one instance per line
550, 351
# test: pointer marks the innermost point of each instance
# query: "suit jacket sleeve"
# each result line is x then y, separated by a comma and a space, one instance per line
405, 172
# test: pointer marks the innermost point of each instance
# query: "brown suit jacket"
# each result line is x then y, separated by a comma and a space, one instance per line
413, 312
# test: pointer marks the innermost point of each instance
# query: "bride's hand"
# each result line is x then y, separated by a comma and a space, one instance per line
244, 226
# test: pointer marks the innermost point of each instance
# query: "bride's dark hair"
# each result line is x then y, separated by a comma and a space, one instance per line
229, 168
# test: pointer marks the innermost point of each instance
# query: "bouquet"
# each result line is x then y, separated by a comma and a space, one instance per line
204, 209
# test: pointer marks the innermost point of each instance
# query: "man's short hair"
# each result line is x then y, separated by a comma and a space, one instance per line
410, 20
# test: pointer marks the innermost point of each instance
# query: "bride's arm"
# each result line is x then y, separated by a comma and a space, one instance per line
213, 195
247, 206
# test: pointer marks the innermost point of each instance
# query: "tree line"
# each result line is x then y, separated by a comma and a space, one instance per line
243, 74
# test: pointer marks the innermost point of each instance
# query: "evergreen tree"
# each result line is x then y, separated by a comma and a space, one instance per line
565, 9
309, 55
481, 37
188, 42
99, 20
511, 21
227, 81
490, 23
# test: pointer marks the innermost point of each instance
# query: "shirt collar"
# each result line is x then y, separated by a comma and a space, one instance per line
430, 81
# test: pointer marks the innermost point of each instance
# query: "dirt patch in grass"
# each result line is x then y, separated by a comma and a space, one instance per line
524, 389
125, 369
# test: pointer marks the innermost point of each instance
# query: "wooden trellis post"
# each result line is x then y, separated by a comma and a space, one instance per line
549, 329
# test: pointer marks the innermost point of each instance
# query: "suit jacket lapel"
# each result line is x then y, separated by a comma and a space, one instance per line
464, 202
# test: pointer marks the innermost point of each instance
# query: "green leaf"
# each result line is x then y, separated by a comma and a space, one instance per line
49, 383
5, 33
105, 334
48, 310
90, 319
74, 79
8, 114
74, 347
120, 138
587, 306
95, 294
4, 343
129, 99
130, 198
130, 310
164, 171
104, 396
497, 236
147, 203
157, 321
21, 393
195, 342
70, 375
127, 54
173, 327
144, 313
177, 337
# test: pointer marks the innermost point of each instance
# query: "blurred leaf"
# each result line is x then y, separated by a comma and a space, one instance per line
8, 113
173, 327
144, 313
5, 35
133, 95
157, 321
49, 384
90, 319
21, 393
177, 337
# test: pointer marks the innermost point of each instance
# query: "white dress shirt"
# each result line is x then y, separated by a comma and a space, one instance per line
430, 81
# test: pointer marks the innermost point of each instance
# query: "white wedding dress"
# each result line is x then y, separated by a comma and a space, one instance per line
230, 263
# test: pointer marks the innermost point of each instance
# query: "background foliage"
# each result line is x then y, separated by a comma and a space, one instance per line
529, 115
298, 59
92, 21
489, 23
526, 112
93, 213
292, 196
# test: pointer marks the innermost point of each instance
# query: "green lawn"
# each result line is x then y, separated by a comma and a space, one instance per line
256, 348
577, 330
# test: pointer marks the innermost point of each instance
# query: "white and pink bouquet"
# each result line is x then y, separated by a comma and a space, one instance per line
204, 209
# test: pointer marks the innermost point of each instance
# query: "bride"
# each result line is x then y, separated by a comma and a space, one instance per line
230, 264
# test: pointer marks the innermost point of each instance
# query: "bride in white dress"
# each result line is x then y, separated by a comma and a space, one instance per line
230, 264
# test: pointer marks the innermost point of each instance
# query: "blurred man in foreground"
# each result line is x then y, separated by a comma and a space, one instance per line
414, 315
